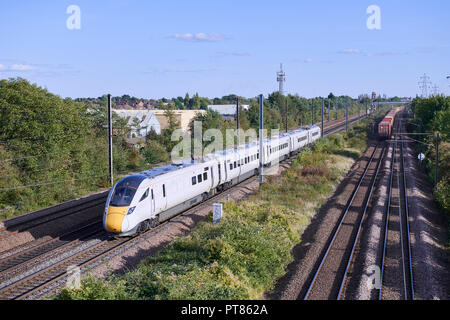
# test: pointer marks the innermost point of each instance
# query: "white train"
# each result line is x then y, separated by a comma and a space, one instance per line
143, 200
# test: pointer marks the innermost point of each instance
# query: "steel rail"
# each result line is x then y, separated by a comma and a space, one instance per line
405, 192
366, 205
388, 209
54, 247
408, 290
340, 224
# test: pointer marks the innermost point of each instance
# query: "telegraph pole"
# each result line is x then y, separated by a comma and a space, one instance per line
437, 160
237, 121
328, 109
346, 115
336, 107
286, 115
261, 149
359, 108
312, 112
323, 102
111, 179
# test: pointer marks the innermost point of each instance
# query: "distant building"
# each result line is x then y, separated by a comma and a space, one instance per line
226, 110
140, 122
374, 95
183, 117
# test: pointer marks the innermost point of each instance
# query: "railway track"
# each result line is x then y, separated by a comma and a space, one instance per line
331, 272
43, 267
38, 281
32, 257
51, 215
396, 277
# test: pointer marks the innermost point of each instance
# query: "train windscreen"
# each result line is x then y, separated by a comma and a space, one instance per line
125, 190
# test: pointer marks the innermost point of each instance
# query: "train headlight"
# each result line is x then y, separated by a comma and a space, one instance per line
130, 211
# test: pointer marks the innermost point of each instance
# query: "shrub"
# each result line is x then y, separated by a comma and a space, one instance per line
154, 152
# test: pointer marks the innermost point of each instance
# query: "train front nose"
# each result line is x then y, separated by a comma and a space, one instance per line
114, 218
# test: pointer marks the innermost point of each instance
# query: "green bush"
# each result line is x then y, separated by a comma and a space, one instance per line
153, 152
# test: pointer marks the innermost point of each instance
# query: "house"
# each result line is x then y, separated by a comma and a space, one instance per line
140, 122
156, 119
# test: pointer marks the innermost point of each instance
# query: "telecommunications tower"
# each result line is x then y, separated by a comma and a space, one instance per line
281, 78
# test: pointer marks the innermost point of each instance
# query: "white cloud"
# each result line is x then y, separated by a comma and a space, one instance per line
2, 67
21, 67
309, 60
199, 37
234, 53
178, 70
351, 51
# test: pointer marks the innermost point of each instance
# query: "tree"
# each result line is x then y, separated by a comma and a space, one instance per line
186, 100
154, 152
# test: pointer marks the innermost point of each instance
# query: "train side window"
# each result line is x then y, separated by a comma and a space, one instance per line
194, 180
205, 176
231, 166
164, 190
152, 195
245, 160
145, 195
235, 164
199, 178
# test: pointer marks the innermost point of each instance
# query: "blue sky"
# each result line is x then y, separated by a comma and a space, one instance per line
154, 49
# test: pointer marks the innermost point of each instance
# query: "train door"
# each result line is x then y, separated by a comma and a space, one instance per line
212, 176
152, 203
220, 174
226, 170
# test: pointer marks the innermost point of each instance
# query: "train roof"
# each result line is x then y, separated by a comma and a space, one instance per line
154, 172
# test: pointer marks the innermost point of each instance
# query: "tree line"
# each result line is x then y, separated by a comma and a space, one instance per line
432, 115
